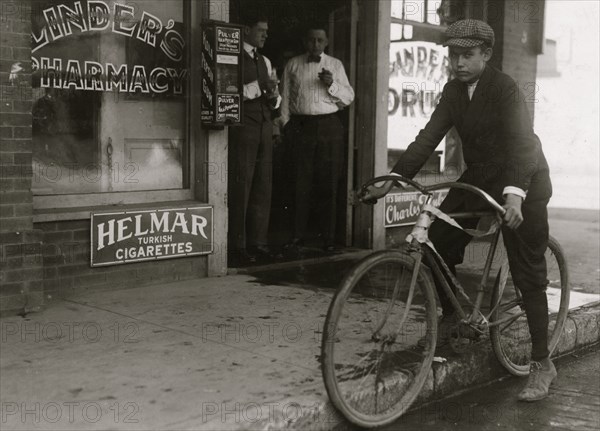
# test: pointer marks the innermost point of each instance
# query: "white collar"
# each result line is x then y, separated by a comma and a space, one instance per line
323, 55
249, 49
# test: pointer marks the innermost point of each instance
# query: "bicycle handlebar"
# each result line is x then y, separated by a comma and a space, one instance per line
397, 179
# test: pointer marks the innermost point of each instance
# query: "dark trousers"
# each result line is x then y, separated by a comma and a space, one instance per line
525, 249
317, 143
250, 183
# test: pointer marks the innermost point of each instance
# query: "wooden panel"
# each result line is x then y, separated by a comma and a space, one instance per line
371, 114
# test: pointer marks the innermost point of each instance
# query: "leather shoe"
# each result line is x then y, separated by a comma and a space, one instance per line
538, 382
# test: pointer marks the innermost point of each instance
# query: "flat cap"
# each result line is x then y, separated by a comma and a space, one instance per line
468, 33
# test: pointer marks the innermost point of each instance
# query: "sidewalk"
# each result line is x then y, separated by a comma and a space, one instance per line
220, 353
238, 352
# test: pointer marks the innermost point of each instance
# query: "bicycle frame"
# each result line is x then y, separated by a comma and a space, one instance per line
443, 273
418, 238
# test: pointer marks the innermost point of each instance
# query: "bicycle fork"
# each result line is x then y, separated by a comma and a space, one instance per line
419, 231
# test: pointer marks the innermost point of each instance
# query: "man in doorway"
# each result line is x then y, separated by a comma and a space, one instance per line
251, 151
315, 88
504, 157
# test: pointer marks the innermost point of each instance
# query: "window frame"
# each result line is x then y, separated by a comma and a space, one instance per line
74, 202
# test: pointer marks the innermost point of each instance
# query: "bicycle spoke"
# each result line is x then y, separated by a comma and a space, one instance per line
511, 321
375, 361
508, 323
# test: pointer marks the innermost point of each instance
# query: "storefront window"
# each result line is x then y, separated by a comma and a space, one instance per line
419, 69
422, 11
110, 87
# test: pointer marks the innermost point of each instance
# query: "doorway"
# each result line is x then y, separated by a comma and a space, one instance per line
287, 19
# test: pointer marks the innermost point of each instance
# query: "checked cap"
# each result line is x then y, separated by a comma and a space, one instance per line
468, 33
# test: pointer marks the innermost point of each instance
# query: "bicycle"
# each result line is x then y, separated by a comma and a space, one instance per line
379, 338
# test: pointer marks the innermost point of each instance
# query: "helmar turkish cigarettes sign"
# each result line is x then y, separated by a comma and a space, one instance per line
135, 236
402, 209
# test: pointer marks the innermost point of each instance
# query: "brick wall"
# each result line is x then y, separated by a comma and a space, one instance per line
67, 271
21, 270
519, 56
43, 260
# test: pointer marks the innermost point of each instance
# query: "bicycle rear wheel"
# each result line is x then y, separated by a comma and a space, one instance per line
511, 340
373, 365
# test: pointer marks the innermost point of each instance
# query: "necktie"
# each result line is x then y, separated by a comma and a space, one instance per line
471, 89
314, 58
255, 55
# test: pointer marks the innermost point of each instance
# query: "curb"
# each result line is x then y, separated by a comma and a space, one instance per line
476, 367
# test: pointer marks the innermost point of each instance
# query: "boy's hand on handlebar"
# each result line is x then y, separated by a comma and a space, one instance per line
513, 217
372, 193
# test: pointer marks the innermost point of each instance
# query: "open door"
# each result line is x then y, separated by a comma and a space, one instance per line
342, 45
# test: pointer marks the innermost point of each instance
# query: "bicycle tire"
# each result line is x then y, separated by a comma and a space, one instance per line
513, 353
359, 294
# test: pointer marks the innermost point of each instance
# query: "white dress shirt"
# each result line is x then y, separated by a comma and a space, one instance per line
508, 189
252, 89
305, 94
471, 88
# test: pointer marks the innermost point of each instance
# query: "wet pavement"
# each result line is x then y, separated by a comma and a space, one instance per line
573, 403
237, 352
220, 353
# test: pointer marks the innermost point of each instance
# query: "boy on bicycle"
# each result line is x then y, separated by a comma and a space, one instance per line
503, 156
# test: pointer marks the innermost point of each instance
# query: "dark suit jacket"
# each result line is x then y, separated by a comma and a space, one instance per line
256, 110
499, 146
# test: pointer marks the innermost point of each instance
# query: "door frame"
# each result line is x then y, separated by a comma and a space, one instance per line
371, 126
349, 14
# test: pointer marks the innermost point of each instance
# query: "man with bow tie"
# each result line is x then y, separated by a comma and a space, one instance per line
315, 88
251, 151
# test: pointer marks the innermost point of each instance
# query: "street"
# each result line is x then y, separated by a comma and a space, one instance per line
573, 404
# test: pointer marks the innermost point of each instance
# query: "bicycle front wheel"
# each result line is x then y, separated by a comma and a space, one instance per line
379, 339
510, 337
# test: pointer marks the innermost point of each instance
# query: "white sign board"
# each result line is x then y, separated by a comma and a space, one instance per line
418, 72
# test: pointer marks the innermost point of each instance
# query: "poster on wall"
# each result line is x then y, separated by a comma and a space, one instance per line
221, 74
136, 236
402, 209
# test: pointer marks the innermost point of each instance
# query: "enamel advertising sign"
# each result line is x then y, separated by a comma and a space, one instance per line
402, 209
222, 84
142, 235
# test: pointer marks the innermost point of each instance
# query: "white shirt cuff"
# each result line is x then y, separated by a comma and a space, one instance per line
333, 88
252, 90
514, 191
